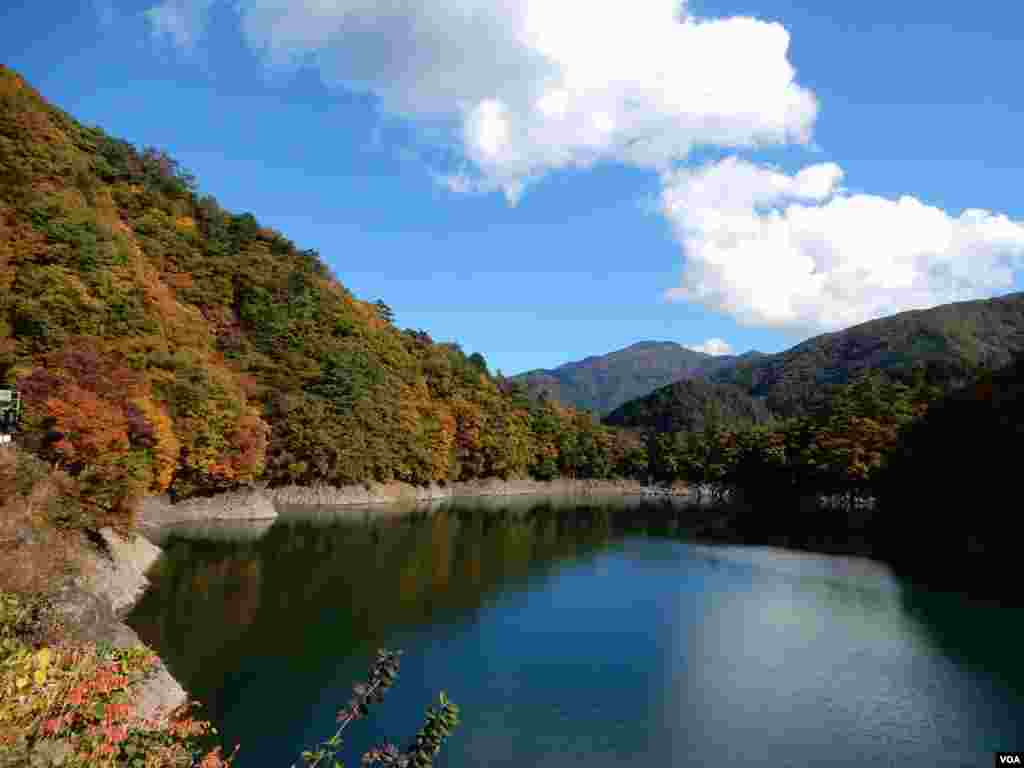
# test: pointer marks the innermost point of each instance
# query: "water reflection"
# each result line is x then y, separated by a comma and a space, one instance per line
574, 630
213, 530
353, 571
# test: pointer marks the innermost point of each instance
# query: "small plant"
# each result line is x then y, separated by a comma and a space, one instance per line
425, 746
75, 704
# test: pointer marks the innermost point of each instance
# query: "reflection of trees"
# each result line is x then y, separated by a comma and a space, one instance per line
204, 598
312, 590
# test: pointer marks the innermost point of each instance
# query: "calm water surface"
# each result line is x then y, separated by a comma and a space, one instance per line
576, 633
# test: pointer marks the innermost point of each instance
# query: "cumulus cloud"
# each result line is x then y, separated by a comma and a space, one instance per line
536, 85
796, 251
531, 86
714, 347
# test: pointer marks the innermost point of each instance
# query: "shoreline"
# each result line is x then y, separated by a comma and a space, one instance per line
261, 502
93, 605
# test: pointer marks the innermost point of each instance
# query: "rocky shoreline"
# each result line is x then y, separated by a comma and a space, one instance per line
246, 504
259, 503
92, 607
392, 493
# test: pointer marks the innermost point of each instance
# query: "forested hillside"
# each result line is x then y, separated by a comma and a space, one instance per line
907, 473
604, 382
946, 347
161, 342
953, 474
946, 344
690, 406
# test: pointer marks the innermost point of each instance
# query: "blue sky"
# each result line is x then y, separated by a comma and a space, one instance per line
542, 185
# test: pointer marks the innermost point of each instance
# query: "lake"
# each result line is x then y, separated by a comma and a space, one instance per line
576, 632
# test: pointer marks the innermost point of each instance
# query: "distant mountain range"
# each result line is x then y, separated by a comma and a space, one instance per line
603, 382
945, 343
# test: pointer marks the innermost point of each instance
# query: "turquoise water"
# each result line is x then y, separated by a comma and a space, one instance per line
573, 634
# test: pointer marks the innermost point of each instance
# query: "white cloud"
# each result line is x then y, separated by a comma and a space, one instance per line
785, 251
537, 84
180, 21
532, 86
715, 347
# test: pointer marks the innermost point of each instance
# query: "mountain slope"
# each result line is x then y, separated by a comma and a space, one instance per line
946, 343
161, 342
603, 382
688, 406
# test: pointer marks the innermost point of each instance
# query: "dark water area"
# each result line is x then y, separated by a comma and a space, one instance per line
570, 632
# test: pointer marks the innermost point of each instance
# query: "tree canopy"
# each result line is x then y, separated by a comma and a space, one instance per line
163, 343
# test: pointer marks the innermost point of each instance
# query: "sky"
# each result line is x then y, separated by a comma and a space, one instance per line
544, 180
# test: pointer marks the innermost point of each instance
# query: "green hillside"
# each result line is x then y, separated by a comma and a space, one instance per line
689, 406
604, 382
945, 346
946, 343
161, 342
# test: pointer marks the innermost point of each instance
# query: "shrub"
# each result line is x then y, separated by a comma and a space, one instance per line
76, 704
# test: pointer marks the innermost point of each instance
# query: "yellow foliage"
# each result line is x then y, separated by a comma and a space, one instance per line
167, 447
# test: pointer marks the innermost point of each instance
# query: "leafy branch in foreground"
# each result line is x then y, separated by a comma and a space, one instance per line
425, 746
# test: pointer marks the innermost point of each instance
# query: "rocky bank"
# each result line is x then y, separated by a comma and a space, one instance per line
246, 504
391, 493
258, 503
92, 607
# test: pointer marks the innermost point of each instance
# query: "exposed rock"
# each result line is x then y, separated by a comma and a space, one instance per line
247, 504
89, 617
120, 575
160, 693
91, 606
390, 493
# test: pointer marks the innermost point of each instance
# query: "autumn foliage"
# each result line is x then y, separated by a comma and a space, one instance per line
163, 344
842, 448
75, 704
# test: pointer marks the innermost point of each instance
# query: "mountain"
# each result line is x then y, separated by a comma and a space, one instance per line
946, 344
688, 406
162, 343
603, 382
